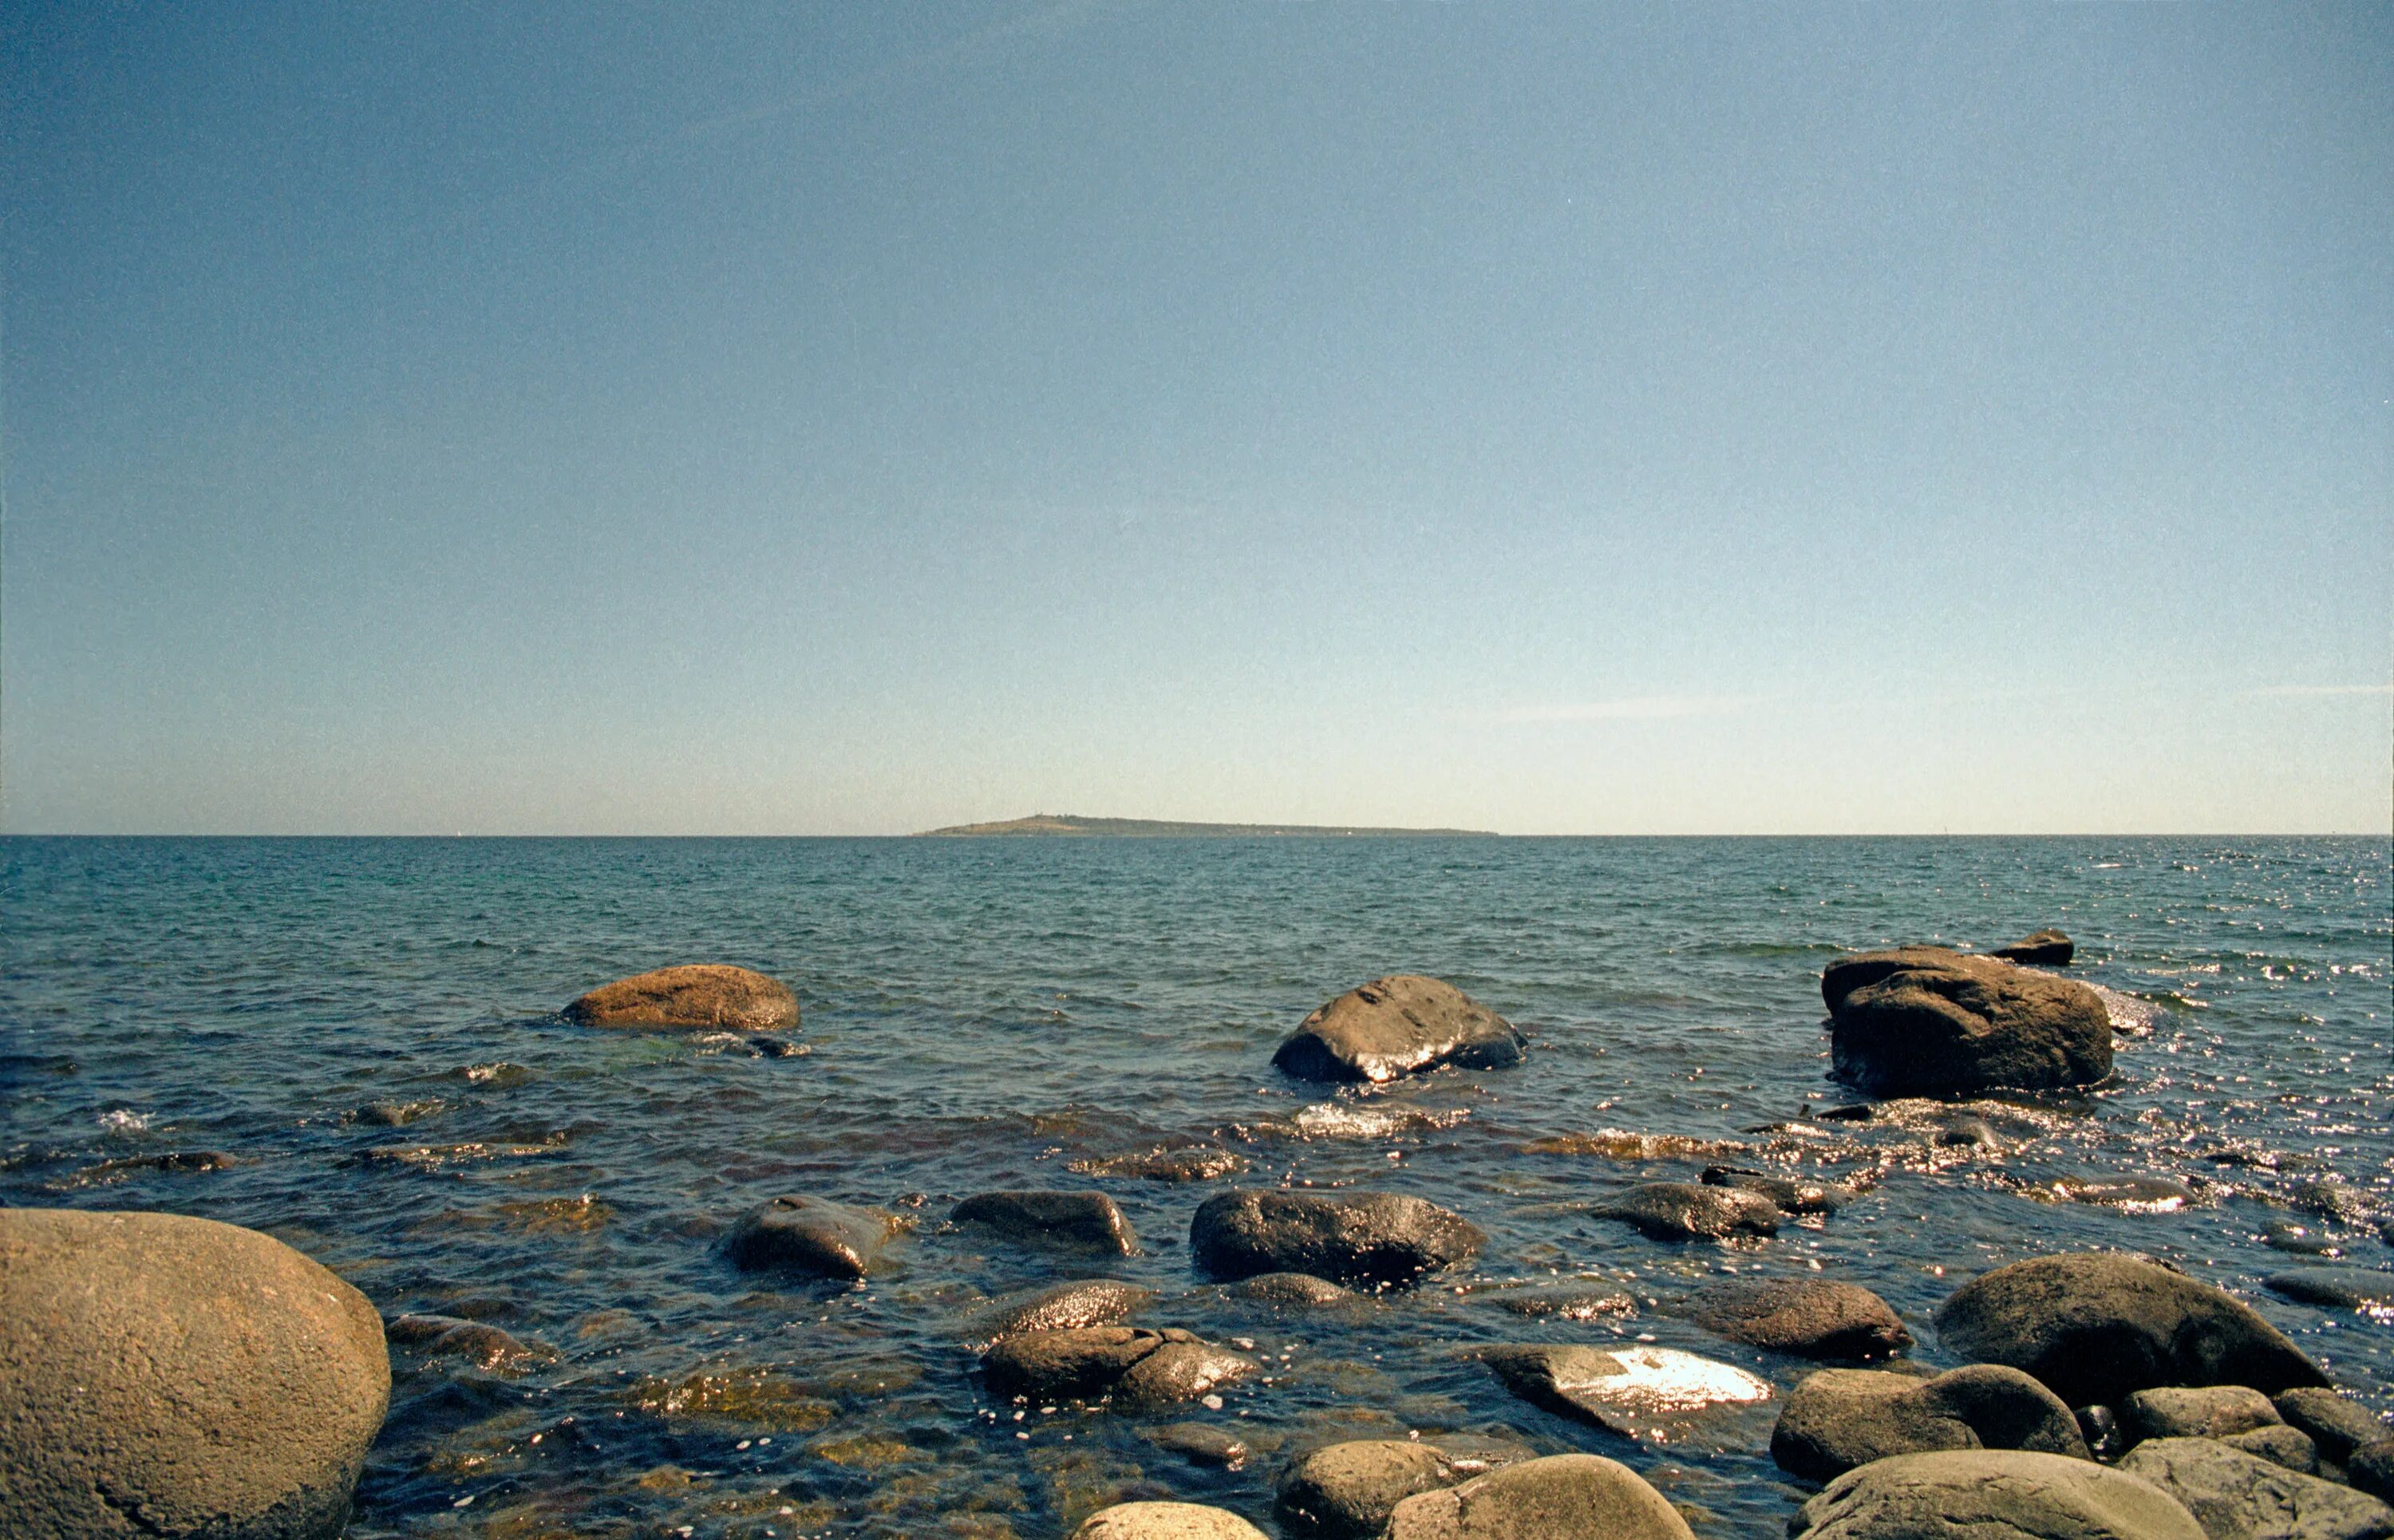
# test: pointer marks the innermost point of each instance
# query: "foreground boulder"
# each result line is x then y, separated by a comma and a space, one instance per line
1395, 1026
813, 1236
1633, 1390
2096, 1327
1977, 1493
1812, 1317
1543, 1499
1089, 1219
1059, 1307
2336, 1424
170, 1376
1689, 1211
1166, 1522
1841, 1419
701, 994
1955, 1023
2195, 1411
2047, 948
1347, 1491
1131, 1365
1376, 1239
2238, 1496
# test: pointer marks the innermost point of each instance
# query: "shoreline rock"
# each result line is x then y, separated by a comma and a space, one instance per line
1952, 1494
695, 994
1837, 1420
800, 1234
1399, 1025
1924, 1021
1085, 1219
1543, 1499
1382, 1239
1812, 1317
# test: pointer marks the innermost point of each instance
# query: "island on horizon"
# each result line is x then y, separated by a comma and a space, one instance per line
1074, 826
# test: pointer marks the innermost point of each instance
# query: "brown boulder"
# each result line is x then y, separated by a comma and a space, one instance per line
1935, 1025
698, 994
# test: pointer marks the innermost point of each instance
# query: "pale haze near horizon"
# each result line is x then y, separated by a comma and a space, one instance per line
754, 419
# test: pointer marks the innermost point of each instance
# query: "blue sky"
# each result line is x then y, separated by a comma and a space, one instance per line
852, 419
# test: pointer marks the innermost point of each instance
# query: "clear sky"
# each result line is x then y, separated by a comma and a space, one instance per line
857, 418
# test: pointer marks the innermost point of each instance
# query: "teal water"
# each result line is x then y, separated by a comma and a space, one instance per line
983, 1015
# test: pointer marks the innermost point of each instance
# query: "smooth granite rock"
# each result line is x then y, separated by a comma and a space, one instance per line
1688, 1211
1992, 1495
1810, 1317
2098, 1326
1837, 1419
1166, 1522
1379, 1239
175, 1378
810, 1235
1962, 1023
701, 995
2195, 1411
1558, 1497
1396, 1026
1086, 1220
1632, 1390
2238, 1496
1129, 1364
1347, 1491
1060, 1307
2338, 1424
2047, 948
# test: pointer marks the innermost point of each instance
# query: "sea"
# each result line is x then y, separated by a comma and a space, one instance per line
227, 1028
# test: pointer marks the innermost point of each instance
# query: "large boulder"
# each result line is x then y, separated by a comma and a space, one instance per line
1840, 1418
1933, 1026
170, 1376
1347, 1491
2097, 1326
812, 1236
1399, 1025
1631, 1390
1543, 1499
1087, 1220
1166, 1522
1689, 1211
1855, 969
1130, 1365
698, 994
1380, 1239
1810, 1317
2047, 948
2235, 1495
1979, 1493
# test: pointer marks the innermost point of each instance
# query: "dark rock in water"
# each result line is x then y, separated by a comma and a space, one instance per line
1543, 1499
2300, 1239
2233, 1495
1813, 1317
1396, 1026
1061, 1307
1383, 1239
1293, 1288
2335, 1423
2279, 1444
2136, 1194
1965, 1131
175, 1377
2333, 1200
1855, 970
810, 1235
1964, 1024
1129, 1364
1571, 1304
1686, 1211
2336, 1288
1166, 1521
1840, 1418
2097, 1326
1969, 1494
1793, 1197
1347, 1491
1072, 1219
395, 1114
2046, 948
479, 1342
1203, 1442
1856, 1114
775, 1048
1184, 1162
2371, 1469
1630, 1390
703, 994
2195, 1411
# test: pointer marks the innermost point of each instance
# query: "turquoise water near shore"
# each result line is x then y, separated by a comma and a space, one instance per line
983, 1015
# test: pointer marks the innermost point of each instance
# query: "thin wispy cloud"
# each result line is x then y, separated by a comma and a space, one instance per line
1633, 708
2282, 691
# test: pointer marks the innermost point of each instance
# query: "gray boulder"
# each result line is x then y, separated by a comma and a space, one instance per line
1810, 1317
2047, 948
169, 1377
2097, 1326
1543, 1499
1395, 1026
2195, 1411
1992, 1495
700, 996
1129, 1366
2238, 1496
807, 1235
1166, 1522
1837, 1419
2338, 1424
1347, 1491
1687, 1211
1632, 1390
1060, 1307
1087, 1220
1934, 1027
1379, 1239
2336, 1288
2279, 1444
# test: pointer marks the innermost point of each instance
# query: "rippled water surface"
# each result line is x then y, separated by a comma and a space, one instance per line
981, 1015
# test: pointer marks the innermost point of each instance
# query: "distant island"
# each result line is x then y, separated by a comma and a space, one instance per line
1073, 826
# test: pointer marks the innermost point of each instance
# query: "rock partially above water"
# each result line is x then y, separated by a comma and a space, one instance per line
1974, 1494
810, 1235
1814, 1316
699, 994
1171, 1163
170, 1376
2238, 1496
1166, 1522
1837, 1419
1395, 1026
1687, 1211
1347, 1491
2097, 1326
1565, 1302
2047, 948
1558, 1497
478, 1342
1089, 1219
1784, 1193
2336, 1288
1203, 1442
1930, 1026
1060, 1307
1294, 1288
1381, 1239
1632, 1390
1129, 1364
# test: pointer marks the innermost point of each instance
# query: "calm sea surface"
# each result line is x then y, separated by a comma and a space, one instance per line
980, 1015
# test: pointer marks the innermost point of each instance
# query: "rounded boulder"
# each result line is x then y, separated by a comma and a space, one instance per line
1543, 1499
1399, 1025
703, 995
1967, 1494
1933, 1026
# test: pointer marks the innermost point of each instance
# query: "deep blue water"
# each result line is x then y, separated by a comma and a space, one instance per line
986, 1014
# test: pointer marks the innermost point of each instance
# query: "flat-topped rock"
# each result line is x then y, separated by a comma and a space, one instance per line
1132, 1365
174, 1377
2235, 1495
695, 995
1090, 1220
813, 1236
1166, 1522
1395, 1026
1813, 1317
1375, 1238
1632, 1390
1558, 1497
1992, 1495
2097, 1326
1837, 1419
1958, 1023
1689, 1211
2047, 948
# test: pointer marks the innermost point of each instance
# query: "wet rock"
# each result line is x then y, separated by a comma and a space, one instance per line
1347, 1491
480, 1343
171, 1376
1840, 1418
1133, 1364
704, 994
2330, 1198
2336, 1424
810, 1235
1811, 1317
2371, 1469
1395, 1026
1969, 1494
1967, 1023
1571, 1304
393, 1113
1789, 1196
2300, 1239
2097, 1326
776, 1048
1964, 1131
2045, 948
2279, 1444
1382, 1239
1068, 1218
1860, 969
2238, 1496
1293, 1288
1202, 1442
1686, 1211
2195, 1411
1060, 1307
2130, 1194
1629, 1390
1166, 1522
1166, 1164
2099, 1426
1543, 1499
2336, 1288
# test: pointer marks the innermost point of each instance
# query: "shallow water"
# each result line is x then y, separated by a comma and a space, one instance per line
995, 1013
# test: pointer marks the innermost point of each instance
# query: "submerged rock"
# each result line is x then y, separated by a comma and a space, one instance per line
2047, 948
1184, 1162
1072, 1219
480, 1343
1203, 1442
2336, 1288
2195, 1411
1383, 1239
2097, 1326
1814, 1316
1060, 1307
1293, 1288
1687, 1211
1930, 1026
1566, 1303
1970, 1494
701, 995
1632, 1390
171, 1376
2238, 1496
1837, 1419
1543, 1499
1166, 1522
810, 1235
1784, 1192
1129, 1364
1395, 1026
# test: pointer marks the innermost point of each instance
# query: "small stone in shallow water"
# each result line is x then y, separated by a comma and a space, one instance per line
2298, 1240
1060, 1307
395, 1114
1292, 1288
1089, 1219
1381, 1238
1165, 1163
1814, 1316
2362, 1289
1134, 1364
1199, 1442
810, 1235
480, 1343
1571, 1304
1688, 1211
1795, 1197
2129, 1194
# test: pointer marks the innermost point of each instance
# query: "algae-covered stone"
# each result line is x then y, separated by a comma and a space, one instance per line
699, 994
1395, 1026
